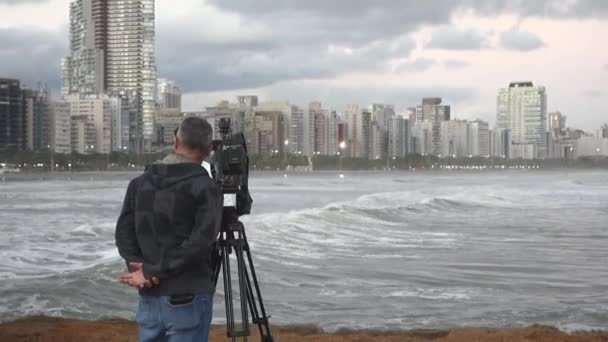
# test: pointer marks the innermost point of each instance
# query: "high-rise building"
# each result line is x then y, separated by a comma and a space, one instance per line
12, 116
434, 112
384, 116
421, 134
84, 69
310, 127
131, 65
455, 139
59, 127
83, 137
347, 131
36, 105
168, 96
479, 138
501, 143
112, 51
296, 130
247, 100
522, 108
270, 128
557, 124
376, 141
168, 113
333, 133
321, 130
359, 126
92, 120
398, 137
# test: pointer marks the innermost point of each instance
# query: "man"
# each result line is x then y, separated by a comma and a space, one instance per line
166, 233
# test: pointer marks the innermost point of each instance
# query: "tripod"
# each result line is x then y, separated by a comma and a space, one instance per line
233, 239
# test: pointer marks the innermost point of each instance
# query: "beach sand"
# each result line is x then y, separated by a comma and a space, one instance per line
60, 330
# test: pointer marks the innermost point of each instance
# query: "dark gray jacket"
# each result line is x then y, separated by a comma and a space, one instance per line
170, 221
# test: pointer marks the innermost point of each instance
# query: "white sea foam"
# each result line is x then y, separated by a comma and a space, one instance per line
381, 248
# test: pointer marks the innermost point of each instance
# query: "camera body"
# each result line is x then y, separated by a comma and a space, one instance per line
230, 166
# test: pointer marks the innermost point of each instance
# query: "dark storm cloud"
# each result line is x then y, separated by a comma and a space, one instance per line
520, 41
547, 8
450, 38
224, 65
299, 40
415, 12
31, 56
452, 64
300, 32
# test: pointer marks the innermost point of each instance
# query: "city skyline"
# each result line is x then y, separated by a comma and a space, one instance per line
437, 48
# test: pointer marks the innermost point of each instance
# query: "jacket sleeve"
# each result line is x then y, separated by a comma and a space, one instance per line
208, 219
126, 239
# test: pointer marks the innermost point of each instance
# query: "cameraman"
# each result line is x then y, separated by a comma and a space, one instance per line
166, 232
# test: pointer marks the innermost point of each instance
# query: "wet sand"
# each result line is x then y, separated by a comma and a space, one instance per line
60, 330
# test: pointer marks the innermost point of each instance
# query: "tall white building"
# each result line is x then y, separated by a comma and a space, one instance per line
479, 140
59, 127
168, 96
376, 141
168, 112
296, 130
312, 127
271, 128
92, 118
332, 133
434, 112
421, 134
522, 108
84, 68
398, 137
359, 132
112, 51
500, 143
321, 130
455, 139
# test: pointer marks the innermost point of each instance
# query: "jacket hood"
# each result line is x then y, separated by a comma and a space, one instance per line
173, 169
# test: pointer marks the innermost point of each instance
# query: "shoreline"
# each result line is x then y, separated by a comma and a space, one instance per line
47, 329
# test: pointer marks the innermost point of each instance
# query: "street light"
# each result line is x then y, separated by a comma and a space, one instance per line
286, 142
52, 155
341, 146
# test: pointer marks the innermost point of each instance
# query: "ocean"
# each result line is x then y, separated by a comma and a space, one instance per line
370, 250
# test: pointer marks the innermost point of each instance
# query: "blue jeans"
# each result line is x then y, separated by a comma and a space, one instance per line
160, 321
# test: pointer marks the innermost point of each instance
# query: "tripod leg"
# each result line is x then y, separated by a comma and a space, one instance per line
228, 291
262, 322
244, 294
233, 239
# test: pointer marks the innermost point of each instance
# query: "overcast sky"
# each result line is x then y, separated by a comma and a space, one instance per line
351, 51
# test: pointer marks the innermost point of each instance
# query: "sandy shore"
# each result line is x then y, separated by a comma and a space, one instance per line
59, 330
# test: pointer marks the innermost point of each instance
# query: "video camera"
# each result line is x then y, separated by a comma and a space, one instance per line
230, 169
230, 166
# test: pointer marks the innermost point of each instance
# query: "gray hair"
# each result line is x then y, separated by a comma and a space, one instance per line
195, 133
